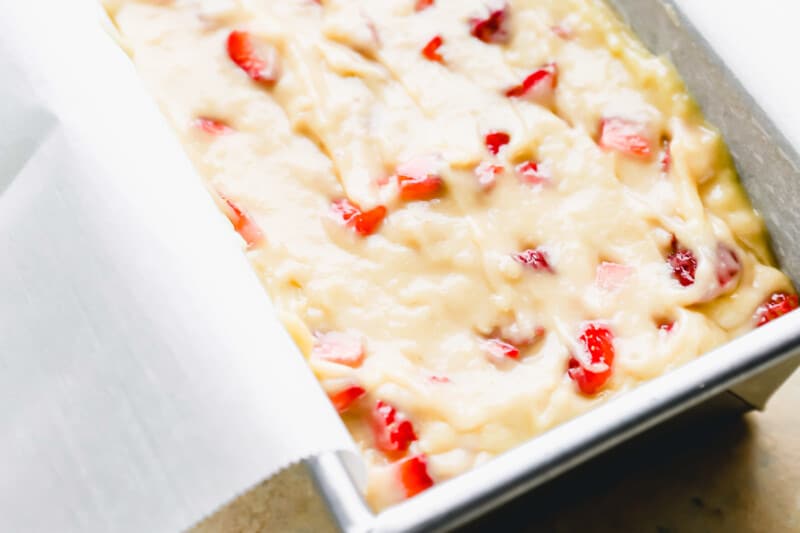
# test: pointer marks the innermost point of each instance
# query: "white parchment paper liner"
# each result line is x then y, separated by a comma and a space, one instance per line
144, 377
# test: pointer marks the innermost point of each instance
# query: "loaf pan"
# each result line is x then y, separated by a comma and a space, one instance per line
740, 375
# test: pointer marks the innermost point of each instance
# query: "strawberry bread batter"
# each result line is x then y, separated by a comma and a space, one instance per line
478, 218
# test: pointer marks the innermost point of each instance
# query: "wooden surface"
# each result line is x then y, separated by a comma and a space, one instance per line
730, 474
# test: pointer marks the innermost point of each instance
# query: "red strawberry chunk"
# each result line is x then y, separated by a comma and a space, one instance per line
493, 28
684, 266
418, 178
500, 350
423, 4
728, 266
419, 187
439, 379
430, 51
367, 222
393, 432
487, 174
532, 173
591, 375
212, 126
243, 224
339, 348
496, 140
258, 59
666, 326
535, 258
343, 399
776, 306
414, 475
363, 222
538, 85
624, 136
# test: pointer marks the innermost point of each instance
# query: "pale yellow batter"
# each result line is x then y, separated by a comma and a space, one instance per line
478, 218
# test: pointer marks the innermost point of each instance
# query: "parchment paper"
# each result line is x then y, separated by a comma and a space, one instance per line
144, 377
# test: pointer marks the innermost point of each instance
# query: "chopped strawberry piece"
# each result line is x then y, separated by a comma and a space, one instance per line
487, 174
439, 379
776, 306
367, 222
393, 432
496, 140
363, 222
666, 156
339, 348
423, 4
414, 475
258, 59
419, 179
666, 326
534, 258
532, 173
500, 350
611, 276
598, 340
493, 28
212, 126
419, 187
684, 265
243, 224
728, 266
598, 343
430, 51
343, 399
624, 136
538, 85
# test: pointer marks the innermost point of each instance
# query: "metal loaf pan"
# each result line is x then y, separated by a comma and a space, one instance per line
740, 375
